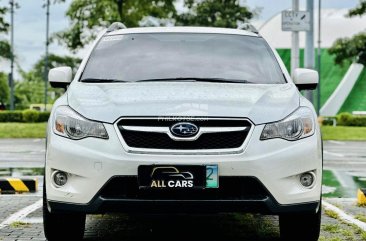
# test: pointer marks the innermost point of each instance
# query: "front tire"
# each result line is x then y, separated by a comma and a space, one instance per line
300, 227
62, 226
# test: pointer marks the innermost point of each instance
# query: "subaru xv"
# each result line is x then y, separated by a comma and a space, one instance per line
182, 120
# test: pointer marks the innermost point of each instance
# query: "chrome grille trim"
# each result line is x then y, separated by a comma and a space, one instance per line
134, 150
167, 131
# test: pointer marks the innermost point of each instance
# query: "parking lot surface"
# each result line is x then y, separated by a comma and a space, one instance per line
228, 227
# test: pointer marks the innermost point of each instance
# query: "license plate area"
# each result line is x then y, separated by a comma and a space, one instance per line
177, 176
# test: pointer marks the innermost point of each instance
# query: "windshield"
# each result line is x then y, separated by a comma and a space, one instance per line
181, 56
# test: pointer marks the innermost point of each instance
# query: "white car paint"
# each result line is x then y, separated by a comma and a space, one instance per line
259, 103
91, 162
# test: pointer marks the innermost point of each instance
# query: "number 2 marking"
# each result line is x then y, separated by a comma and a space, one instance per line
210, 172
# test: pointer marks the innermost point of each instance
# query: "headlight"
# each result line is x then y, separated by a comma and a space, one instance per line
70, 124
299, 124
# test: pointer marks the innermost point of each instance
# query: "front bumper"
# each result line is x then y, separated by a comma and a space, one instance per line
122, 194
92, 162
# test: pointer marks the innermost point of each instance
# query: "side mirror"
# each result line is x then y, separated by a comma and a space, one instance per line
306, 79
60, 77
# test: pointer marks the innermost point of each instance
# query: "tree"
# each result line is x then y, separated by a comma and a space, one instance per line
215, 13
4, 90
55, 61
4, 27
351, 49
359, 10
28, 92
5, 52
88, 16
31, 89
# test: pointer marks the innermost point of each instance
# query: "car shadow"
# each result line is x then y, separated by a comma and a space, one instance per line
225, 227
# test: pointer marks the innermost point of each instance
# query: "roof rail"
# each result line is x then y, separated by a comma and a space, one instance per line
248, 27
116, 26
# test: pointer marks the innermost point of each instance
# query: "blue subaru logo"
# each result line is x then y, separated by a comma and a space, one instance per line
184, 129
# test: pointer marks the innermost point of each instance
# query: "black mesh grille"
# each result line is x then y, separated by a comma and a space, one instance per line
207, 141
163, 141
230, 188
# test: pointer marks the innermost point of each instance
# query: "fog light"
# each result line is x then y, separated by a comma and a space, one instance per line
60, 178
307, 179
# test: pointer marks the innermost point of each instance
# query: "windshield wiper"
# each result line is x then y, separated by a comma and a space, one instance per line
96, 80
194, 79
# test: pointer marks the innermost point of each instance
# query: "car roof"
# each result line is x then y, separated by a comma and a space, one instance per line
183, 30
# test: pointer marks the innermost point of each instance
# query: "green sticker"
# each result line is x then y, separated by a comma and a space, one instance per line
212, 176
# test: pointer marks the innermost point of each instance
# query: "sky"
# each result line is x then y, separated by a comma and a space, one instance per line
30, 24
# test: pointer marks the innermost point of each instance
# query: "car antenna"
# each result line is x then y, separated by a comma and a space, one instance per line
116, 26
248, 27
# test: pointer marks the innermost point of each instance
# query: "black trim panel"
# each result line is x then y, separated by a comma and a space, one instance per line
265, 206
306, 86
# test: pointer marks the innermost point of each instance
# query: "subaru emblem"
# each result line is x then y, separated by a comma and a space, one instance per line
184, 129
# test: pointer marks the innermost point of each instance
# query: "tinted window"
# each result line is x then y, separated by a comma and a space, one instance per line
134, 57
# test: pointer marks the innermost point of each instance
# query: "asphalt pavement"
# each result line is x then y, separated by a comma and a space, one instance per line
22, 153
345, 155
21, 219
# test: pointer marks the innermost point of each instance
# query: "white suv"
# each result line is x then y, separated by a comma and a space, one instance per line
186, 120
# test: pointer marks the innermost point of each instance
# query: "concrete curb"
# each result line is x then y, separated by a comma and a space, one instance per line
18, 185
361, 197
344, 216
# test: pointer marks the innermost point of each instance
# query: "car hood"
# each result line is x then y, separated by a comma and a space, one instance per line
107, 102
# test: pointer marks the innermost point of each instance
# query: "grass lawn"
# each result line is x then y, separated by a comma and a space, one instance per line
345, 133
22, 130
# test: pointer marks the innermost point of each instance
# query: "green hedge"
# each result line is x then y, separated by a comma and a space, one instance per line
11, 116
27, 116
346, 119
43, 116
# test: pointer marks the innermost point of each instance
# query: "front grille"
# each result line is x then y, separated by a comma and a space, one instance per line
163, 141
206, 141
230, 188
